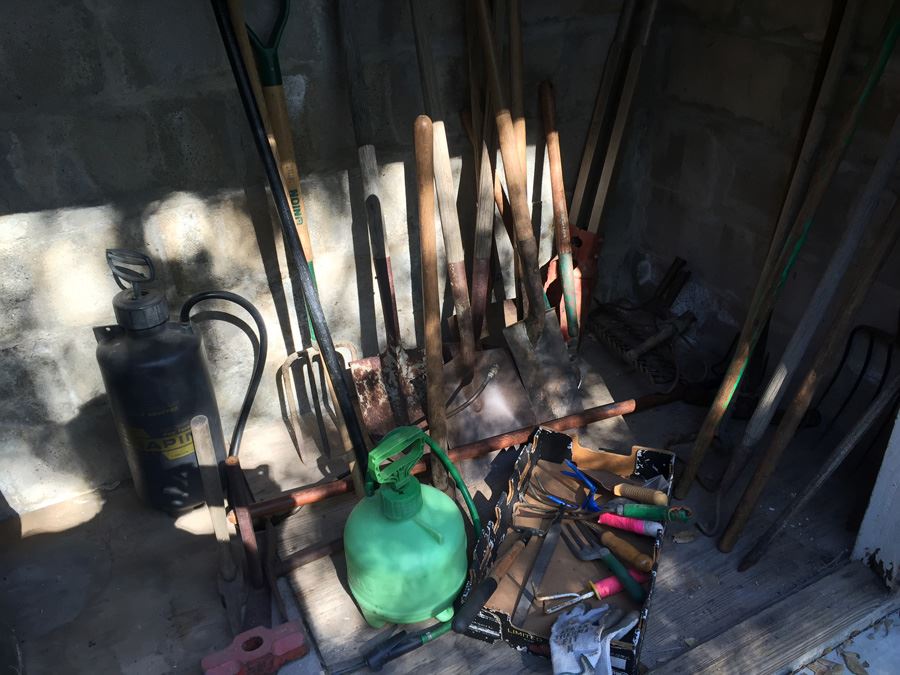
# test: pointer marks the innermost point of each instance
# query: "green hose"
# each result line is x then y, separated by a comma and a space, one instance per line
451, 469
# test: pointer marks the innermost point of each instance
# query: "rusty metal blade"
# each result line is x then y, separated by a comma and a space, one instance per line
550, 378
390, 388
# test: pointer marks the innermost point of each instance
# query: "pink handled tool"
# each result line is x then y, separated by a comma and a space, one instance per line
645, 527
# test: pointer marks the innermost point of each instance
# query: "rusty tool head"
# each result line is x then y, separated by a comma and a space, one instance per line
390, 387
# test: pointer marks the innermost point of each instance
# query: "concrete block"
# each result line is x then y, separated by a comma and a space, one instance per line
41, 168
203, 144
118, 149
743, 77
51, 56
155, 48
56, 434
54, 268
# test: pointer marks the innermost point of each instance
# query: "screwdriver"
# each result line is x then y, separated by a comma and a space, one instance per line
394, 647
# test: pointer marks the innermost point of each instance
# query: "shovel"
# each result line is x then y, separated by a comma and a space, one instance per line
391, 386
536, 343
484, 396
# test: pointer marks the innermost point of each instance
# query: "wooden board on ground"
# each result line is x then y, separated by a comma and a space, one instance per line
796, 630
339, 631
699, 592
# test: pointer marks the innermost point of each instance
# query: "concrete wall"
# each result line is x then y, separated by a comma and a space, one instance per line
120, 126
717, 123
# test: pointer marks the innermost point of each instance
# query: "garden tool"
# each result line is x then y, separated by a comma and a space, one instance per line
484, 394
390, 387
313, 377
602, 588
585, 544
536, 344
292, 240
314, 382
568, 309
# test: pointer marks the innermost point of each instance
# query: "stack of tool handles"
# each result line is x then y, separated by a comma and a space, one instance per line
871, 232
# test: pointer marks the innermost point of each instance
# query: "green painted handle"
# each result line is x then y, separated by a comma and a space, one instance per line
632, 587
267, 52
660, 514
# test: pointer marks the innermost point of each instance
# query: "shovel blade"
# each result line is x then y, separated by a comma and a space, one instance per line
390, 389
550, 378
502, 406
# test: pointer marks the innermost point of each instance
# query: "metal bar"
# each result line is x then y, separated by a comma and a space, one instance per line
292, 499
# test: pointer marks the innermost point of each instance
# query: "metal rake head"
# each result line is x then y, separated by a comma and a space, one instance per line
583, 541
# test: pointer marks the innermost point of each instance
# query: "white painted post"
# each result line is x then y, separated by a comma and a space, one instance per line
877, 542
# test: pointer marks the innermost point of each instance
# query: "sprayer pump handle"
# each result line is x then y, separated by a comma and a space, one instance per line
118, 258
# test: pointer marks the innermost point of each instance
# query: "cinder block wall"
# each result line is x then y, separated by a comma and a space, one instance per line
718, 120
121, 126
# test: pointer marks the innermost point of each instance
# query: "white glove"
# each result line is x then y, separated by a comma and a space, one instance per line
579, 640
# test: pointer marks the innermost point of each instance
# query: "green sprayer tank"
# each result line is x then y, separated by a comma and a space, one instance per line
405, 544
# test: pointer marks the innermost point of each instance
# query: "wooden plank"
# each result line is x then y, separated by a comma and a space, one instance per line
794, 631
338, 629
696, 580
877, 543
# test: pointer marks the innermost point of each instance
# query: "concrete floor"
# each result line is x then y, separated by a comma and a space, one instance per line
875, 651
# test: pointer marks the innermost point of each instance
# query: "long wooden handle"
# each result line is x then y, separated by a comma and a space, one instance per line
453, 248
236, 13
279, 122
601, 198
431, 311
560, 212
446, 197
515, 178
603, 106
516, 86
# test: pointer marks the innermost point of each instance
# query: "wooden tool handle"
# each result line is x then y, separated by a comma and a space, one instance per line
515, 177
453, 248
558, 189
280, 124
446, 197
560, 212
236, 14
516, 85
484, 590
627, 552
641, 494
212, 489
604, 188
505, 561
434, 362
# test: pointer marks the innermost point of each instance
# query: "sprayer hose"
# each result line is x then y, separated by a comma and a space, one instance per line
451, 469
259, 359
